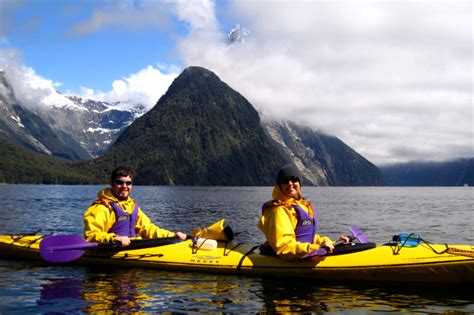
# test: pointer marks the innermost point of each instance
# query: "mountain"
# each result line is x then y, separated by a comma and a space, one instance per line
19, 165
29, 130
458, 172
238, 34
95, 125
324, 160
64, 126
202, 132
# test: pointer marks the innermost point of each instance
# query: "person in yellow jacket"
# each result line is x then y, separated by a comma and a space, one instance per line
289, 221
115, 216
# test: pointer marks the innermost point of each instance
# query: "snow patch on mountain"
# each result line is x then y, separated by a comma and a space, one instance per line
94, 125
238, 34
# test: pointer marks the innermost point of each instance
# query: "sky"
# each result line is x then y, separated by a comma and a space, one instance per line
393, 79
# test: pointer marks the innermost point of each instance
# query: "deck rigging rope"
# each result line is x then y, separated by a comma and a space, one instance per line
450, 250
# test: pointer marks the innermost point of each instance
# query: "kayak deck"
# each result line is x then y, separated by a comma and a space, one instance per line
424, 263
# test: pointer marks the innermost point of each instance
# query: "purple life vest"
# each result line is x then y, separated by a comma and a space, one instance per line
305, 229
124, 223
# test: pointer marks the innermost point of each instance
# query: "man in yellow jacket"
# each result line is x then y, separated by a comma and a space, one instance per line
289, 221
115, 216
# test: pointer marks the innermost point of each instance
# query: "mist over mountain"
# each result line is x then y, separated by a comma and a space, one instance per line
28, 129
61, 125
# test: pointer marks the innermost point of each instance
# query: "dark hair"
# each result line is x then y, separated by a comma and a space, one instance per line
287, 170
121, 171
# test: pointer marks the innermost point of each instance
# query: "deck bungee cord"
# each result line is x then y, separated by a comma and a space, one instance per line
413, 240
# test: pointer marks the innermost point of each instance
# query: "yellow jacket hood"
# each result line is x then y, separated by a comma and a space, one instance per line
105, 197
277, 194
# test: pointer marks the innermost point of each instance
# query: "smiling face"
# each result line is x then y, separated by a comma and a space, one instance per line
121, 187
290, 187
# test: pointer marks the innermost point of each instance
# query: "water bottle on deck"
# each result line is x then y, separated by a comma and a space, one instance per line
407, 239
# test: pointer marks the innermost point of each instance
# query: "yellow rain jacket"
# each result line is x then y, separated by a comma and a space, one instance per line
278, 223
100, 217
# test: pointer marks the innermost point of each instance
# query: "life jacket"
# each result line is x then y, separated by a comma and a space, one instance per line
124, 224
305, 229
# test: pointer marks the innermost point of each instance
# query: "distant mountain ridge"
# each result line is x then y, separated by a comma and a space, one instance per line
458, 172
78, 129
19, 165
29, 130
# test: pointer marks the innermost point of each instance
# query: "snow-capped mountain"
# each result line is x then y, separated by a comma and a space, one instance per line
62, 125
95, 125
238, 34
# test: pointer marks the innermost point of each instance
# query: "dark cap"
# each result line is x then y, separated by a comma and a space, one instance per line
286, 171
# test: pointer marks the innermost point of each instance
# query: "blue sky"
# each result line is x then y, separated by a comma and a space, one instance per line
391, 78
46, 32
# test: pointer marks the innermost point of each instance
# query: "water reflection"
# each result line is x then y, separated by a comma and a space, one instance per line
120, 292
281, 296
56, 292
136, 290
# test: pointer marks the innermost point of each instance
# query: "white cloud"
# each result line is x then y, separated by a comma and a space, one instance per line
31, 89
390, 78
36, 92
144, 87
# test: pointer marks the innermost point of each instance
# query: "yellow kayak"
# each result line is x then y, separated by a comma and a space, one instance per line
435, 263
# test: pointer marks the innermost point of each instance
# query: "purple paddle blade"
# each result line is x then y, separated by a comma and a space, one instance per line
358, 234
63, 248
61, 256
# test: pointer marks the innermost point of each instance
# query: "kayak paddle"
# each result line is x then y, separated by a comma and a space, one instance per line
64, 248
358, 234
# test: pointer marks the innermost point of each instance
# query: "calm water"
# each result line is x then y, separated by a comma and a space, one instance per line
441, 215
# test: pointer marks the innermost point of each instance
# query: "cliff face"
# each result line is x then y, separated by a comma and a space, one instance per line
324, 160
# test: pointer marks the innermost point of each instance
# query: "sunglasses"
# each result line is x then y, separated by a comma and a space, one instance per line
292, 179
119, 182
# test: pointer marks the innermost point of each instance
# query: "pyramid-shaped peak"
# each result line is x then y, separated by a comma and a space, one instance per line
196, 71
